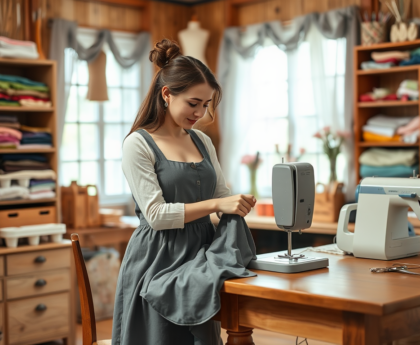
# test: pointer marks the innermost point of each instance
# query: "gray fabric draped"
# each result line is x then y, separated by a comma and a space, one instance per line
64, 35
340, 23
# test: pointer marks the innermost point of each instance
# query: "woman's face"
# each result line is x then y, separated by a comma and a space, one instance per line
190, 106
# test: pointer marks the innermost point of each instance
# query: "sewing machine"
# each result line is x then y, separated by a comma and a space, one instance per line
381, 223
293, 187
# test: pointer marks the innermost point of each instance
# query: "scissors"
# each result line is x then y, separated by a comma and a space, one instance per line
398, 267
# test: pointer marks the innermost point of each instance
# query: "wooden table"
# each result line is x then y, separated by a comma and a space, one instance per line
342, 304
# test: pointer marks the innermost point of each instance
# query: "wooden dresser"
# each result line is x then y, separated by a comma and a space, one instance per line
36, 294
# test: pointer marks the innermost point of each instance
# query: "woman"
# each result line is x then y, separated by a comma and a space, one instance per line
176, 182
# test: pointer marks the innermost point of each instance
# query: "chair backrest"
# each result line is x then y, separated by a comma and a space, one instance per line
86, 302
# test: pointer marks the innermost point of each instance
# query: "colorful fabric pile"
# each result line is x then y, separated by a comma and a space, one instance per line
34, 167
378, 94
383, 60
19, 91
9, 121
408, 90
389, 163
17, 49
35, 137
414, 58
9, 138
383, 128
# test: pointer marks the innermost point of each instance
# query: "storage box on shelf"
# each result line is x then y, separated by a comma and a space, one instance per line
366, 80
42, 71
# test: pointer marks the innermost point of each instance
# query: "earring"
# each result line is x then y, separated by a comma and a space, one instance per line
166, 104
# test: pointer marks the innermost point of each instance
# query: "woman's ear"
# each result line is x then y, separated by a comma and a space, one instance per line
165, 94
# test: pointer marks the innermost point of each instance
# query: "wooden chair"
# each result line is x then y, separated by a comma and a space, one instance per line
86, 302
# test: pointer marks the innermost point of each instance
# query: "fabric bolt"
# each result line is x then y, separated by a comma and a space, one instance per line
20, 86
386, 157
391, 60
414, 60
191, 260
388, 171
8, 146
14, 192
380, 130
9, 103
21, 80
389, 121
12, 132
7, 138
17, 49
366, 65
13, 168
10, 125
20, 157
43, 195
8, 118
34, 146
38, 182
25, 162
12, 92
28, 174
398, 55
368, 136
34, 103
28, 97
42, 188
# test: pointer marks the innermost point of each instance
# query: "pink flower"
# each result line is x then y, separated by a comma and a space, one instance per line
318, 135
248, 159
326, 129
302, 150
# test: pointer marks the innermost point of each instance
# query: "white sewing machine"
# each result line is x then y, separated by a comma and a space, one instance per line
381, 230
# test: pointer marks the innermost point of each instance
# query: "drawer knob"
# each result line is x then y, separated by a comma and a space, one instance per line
40, 259
41, 307
41, 282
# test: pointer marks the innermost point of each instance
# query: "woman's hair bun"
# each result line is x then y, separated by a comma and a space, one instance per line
164, 52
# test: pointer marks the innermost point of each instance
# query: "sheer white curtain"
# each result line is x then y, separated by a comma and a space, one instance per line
277, 99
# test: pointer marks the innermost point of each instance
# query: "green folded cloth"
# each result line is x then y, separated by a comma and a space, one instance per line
19, 86
389, 171
385, 157
22, 80
9, 103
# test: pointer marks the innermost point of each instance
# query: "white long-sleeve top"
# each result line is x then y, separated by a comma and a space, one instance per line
138, 161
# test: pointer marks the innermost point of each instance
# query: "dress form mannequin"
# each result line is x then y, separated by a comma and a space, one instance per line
194, 40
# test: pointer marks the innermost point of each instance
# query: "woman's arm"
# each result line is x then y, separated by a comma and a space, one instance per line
138, 167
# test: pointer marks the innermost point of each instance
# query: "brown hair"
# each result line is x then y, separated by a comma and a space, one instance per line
178, 73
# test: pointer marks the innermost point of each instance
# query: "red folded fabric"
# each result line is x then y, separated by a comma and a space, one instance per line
7, 138
366, 98
391, 97
18, 98
394, 60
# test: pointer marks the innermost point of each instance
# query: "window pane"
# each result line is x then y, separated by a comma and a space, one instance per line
69, 172
270, 62
71, 111
112, 108
82, 73
88, 110
271, 100
113, 178
305, 128
89, 173
69, 150
89, 142
113, 70
131, 76
131, 101
302, 97
113, 141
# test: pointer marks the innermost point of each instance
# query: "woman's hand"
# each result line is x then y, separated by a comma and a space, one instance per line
240, 204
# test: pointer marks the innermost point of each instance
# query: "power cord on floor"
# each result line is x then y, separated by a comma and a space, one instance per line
304, 341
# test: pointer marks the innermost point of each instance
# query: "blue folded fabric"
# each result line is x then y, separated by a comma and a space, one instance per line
389, 171
414, 60
22, 80
20, 157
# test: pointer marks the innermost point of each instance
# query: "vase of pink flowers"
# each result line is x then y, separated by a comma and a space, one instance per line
252, 162
331, 143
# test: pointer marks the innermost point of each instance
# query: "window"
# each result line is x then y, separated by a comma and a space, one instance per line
287, 98
93, 134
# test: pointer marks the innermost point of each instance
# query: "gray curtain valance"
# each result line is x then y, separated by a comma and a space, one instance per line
333, 24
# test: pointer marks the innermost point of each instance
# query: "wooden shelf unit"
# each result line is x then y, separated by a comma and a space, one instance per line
43, 71
366, 80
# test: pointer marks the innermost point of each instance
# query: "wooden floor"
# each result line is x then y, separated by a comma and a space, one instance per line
104, 328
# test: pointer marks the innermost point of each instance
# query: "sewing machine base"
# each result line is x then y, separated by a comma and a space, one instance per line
271, 262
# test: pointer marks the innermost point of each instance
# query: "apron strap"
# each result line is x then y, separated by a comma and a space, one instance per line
158, 153
199, 144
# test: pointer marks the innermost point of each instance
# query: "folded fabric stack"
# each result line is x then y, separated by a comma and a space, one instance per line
9, 121
382, 60
389, 163
414, 58
41, 189
383, 128
378, 94
9, 137
31, 167
409, 89
34, 137
20, 91
17, 49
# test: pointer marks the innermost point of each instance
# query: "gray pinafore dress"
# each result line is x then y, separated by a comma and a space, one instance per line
169, 281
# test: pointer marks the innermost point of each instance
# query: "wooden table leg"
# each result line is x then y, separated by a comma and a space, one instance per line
360, 329
240, 338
